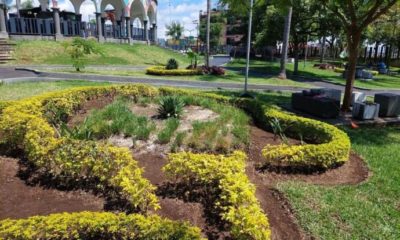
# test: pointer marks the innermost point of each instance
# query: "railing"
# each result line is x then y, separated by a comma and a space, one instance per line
70, 28
31, 26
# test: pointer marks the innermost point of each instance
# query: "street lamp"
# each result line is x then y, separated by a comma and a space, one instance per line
245, 94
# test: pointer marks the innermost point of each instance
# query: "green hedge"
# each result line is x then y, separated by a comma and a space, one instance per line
96, 226
162, 71
237, 203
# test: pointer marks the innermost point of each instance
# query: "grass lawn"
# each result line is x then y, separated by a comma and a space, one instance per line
229, 77
51, 52
368, 211
20, 90
272, 68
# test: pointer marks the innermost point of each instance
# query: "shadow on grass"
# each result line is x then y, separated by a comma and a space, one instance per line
373, 136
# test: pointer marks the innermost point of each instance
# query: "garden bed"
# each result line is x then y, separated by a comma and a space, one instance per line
179, 183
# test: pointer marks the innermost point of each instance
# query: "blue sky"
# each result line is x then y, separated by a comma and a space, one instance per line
183, 11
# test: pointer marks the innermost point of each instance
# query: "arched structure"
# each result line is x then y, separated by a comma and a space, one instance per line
125, 12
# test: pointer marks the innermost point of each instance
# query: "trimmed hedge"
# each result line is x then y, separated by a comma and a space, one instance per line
328, 144
237, 202
96, 226
23, 125
162, 71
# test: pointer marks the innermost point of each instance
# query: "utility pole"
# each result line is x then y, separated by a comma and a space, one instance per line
248, 46
208, 33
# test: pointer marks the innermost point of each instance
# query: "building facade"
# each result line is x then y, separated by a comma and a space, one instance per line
45, 22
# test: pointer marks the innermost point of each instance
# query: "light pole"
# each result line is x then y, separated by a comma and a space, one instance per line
196, 22
248, 48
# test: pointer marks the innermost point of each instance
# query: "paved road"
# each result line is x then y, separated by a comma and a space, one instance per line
10, 72
9, 75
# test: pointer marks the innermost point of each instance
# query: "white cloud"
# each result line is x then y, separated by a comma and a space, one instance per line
184, 12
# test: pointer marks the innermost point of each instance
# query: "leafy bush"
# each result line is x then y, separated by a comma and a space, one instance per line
214, 70
170, 106
162, 71
172, 64
23, 126
237, 203
78, 48
96, 226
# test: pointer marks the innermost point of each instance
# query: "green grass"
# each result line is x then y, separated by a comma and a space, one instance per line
114, 119
51, 52
229, 77
368, 211
20, 90
165, 135
272, 68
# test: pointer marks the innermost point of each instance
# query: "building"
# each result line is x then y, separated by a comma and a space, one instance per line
230, 33
112, 24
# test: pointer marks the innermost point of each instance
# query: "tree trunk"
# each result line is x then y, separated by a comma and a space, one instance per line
322, 57
353, 42
208, 33
376, 51
286, 34
296, 58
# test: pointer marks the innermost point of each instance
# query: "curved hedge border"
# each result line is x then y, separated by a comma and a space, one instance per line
330, 146
96, 226
237, 202
161, 71
23, 125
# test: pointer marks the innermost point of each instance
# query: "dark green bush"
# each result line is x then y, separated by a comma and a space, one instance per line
172, 64
170, 106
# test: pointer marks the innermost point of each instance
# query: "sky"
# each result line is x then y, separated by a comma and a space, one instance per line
183, 11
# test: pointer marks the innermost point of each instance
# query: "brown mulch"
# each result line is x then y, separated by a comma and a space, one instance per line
175, 203
86, 108
20, 200
280, 214
24, 200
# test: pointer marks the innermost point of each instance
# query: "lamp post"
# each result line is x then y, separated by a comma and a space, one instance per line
248, 49
196, 22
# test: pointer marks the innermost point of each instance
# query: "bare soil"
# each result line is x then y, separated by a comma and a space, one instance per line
178, 202
280, 214
20, 200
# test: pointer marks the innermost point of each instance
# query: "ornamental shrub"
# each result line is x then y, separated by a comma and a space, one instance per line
23, 125
162, 71
172, 64
96, 226
237, 202
170, 106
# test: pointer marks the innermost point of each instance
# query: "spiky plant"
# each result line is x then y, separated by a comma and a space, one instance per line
172, 64
170, 106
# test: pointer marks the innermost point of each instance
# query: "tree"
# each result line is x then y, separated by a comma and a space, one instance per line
78, 49
216, 23
28, 4
208, 33
355, 16
175, 30
285, 43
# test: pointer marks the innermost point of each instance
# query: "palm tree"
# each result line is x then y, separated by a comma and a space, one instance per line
175, 30
286, 35
208, 33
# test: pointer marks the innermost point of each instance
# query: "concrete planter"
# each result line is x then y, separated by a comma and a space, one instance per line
390, 104
365, 111
358, 97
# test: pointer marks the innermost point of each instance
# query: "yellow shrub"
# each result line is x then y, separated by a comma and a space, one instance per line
237, 201
161, 71
100, 226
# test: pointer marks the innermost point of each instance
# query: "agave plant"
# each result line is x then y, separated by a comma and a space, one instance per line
170, 106
172, 64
